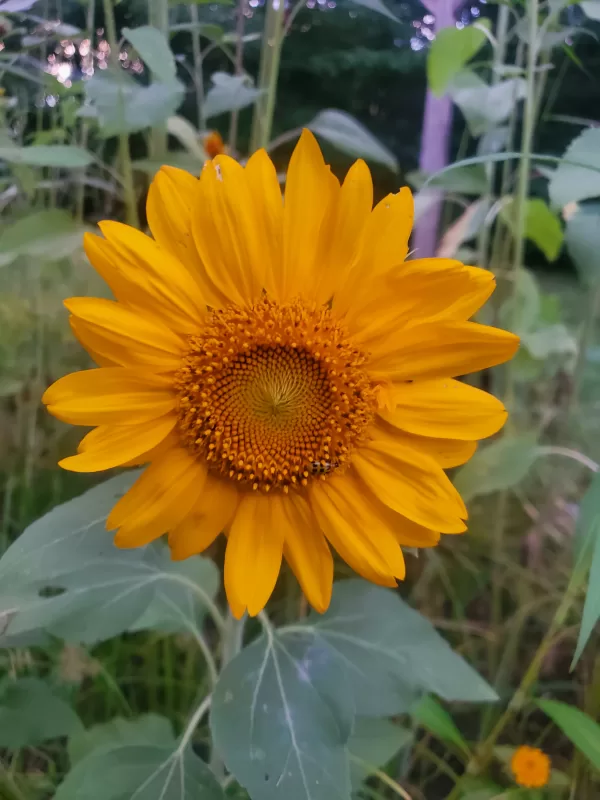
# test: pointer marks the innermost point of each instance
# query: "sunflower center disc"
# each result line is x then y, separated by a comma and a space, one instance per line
273, 395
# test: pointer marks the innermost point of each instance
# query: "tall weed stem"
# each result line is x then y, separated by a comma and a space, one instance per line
272, 43
520, 209
158, 16
239, 69
131, 212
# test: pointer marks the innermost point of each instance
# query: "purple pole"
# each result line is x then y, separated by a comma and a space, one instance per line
435, 140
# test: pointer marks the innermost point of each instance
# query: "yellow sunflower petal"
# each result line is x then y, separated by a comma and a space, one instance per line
169, 208
110, 395
345, 518
159, 500
306, 550
104, 260
345, 239
385, 245
406, 532
93, 345
410, 534
226, 233
410, 482
131, 285
268, 203
310, 194
152, 454
442, 349
211, 515
442, 288
110, 446
124, 336
445, 408
169, 211
419, 291
447, 453
253, 555
388, 230
155, 276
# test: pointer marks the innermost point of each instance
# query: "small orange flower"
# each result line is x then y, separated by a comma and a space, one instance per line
531, 767
213, 144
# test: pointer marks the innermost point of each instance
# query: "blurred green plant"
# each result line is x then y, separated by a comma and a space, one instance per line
300, 707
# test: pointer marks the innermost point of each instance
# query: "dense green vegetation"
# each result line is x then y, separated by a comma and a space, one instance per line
93, 697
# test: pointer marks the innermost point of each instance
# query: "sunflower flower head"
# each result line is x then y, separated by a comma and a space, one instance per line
286, 376
530, 767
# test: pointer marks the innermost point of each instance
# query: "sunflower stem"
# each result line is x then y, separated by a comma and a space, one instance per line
268, 74
131, 213
233, 635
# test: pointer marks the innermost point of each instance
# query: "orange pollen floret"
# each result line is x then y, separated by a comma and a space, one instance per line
531, 767
274, 395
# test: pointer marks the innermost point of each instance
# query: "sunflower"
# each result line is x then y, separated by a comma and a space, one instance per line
286, 376
530, 767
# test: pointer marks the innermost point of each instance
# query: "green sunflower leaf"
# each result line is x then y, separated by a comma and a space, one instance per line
451, 49
582, 237
388, 651
591, 9
542, 226
65, 576
485, 107
153, 48
281, 716
578, 176
140, 772
66, 537
177, 604
31, 712
146, 729
64, 156
50, 235
348, 135
470, 179
229, 93
121, 105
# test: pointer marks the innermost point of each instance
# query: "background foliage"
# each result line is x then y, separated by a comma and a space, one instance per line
121, 676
